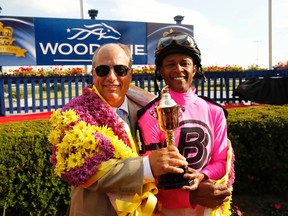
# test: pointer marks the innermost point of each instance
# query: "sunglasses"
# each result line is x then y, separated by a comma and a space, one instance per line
120, 70
185, 40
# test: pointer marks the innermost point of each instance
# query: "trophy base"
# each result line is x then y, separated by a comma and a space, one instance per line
173, 181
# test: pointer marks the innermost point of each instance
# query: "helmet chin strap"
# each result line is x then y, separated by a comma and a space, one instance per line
199, 74
156, 78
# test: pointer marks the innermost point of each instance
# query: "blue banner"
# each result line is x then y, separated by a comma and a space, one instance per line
69, 41
17, 41
54, 41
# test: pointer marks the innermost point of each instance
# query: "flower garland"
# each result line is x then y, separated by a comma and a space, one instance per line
86, 133
227, 179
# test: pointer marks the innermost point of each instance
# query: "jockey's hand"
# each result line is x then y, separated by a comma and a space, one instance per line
210, 194
166, 160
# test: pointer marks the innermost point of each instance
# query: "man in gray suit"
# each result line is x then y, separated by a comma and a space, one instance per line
112, 75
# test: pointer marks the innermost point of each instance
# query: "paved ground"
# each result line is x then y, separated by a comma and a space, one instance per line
261, 205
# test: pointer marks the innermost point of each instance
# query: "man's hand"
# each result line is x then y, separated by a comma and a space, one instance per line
166, 160
209, 194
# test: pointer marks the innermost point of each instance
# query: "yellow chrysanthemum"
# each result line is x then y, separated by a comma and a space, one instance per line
121, 150
75, 160
60, 166
65, 146
54, 137
83, 137
69, 116
106, 131
61, 119
77, 144
57, 120
54, 116
89, 146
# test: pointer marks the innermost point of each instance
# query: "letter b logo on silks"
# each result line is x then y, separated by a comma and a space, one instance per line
194, 141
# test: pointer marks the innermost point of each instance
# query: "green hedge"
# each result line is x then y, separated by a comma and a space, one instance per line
260, 139
28, 185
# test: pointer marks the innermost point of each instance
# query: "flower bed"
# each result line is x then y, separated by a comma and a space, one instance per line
52, 71
140, 69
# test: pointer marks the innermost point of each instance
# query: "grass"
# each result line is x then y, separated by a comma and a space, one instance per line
44, 94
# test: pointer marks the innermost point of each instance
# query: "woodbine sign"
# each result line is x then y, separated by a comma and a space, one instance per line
53, 41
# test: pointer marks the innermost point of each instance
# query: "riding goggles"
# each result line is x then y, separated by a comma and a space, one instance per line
184, 40
120, 70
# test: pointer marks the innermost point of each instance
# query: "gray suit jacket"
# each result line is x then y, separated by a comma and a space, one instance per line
125, 178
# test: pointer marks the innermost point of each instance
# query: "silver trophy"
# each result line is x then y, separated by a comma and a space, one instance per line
168, 120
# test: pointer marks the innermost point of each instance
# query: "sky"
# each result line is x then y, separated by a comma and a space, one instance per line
228, 32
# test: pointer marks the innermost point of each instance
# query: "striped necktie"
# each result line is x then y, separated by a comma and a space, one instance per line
123, 115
